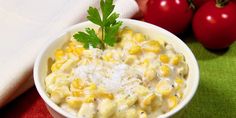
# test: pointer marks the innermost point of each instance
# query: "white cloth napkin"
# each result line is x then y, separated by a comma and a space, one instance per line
25, 26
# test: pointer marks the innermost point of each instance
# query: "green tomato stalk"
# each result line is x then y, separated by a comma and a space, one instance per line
191, 4
221, 3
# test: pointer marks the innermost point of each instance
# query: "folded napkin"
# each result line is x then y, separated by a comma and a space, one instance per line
26, 25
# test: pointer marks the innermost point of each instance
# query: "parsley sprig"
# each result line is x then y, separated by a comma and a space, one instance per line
107, 22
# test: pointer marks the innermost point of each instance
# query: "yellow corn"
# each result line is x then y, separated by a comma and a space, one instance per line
71, 55
107, 57
126, 31
57, 96
92, 86
150, 74
104, 95
141, 90
79, 51
165, 70
177, 59
106, 108
135, 49
76, 83
68, 50
131, 100
179, 82
131, 113
180, 94
59, 54
130, 59
152, 46
139, 37
164, 87
71, 44
74, 103
146, 62
172, 102
142, 114
89, 98
56, 66
77, 93
154, 43
164, 58
148, 100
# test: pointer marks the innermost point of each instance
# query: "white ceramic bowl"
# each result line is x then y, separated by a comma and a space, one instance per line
154, 32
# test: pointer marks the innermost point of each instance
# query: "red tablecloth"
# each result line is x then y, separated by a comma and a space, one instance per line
28, 105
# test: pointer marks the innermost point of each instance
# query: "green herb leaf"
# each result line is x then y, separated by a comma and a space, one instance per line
107, 22
107, 8
111, 19
110, 36
93, 16
88, 38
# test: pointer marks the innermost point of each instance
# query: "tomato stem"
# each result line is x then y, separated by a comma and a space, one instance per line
191, 4
221, 3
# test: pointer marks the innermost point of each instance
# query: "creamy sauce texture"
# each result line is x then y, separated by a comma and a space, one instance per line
138, 77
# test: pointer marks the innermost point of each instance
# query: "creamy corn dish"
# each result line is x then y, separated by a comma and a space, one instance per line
137, 78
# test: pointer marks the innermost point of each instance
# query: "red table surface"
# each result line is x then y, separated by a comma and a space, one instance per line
28, 105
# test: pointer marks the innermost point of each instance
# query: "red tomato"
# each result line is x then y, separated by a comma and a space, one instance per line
215, 27
173, 15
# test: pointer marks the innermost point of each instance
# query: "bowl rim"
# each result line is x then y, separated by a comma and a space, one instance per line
51, 104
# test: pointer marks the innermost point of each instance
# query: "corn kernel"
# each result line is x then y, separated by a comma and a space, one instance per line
77, 93
138, 37
148, 100
106, 108
131, 113
131, 100
165, 70
79, 51
74, 102
56, 66
126, 31
90, 99
150, 74
71, 44
87, 110
72, 56
179, 80
180, 94
76, 83
177, 59
50, 79
62, 81
130, 59
57, 96
142, 114
146, 62
164, 87
92, 86
104, 95
59, 54
172, 102
68, 50
164, 58
135, 49
154, 43
108, 57
141, 90
152, 46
